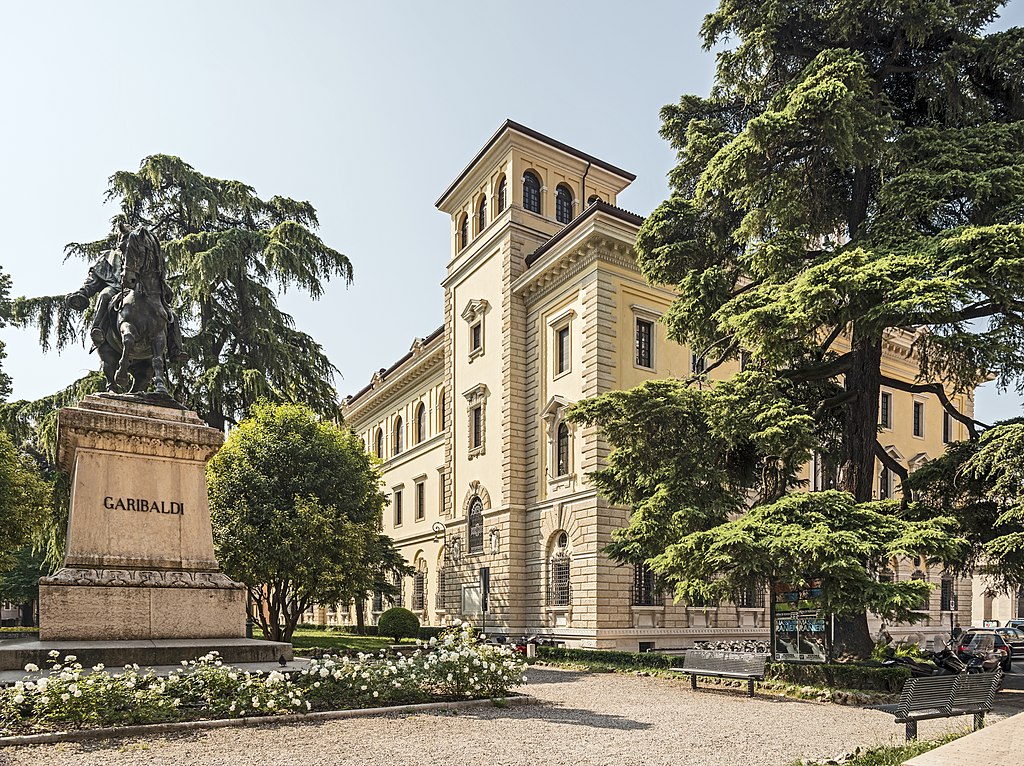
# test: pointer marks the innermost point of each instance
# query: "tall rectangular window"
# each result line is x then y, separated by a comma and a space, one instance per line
946, 594
885, 484
421, 500
562, 350
476, 426
398, 507
644, 338
918, 418
697, 364
885, 410
476, 336
947, 428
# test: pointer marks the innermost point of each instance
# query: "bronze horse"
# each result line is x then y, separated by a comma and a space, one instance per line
136, 333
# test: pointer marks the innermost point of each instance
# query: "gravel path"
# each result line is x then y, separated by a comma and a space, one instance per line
588, 719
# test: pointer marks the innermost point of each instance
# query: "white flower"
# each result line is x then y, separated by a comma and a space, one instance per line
54, 653
70, 658
19, 698
376, 694
78, 692
31, 668
65, 697
98, 667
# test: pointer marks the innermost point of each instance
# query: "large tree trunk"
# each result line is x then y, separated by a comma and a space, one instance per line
857, 463
361, 615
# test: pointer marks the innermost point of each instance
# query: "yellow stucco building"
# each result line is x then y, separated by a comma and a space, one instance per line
544, 305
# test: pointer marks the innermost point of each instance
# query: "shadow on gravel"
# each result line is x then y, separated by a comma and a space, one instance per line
536, 675
552, 713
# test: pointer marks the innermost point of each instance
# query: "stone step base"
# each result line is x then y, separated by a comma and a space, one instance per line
15, 655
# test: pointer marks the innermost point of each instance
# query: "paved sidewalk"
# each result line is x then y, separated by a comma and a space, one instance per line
1000, 743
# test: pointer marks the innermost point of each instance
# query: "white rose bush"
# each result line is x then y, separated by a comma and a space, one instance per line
455, 666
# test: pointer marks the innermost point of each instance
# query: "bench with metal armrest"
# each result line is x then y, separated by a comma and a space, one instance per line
944, 697
722, 664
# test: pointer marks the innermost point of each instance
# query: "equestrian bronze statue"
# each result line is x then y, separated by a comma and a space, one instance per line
133, 327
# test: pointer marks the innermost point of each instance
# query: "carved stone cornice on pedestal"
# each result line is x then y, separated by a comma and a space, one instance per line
141, 578
135, 428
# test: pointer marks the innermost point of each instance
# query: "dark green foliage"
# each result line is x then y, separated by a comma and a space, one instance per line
5, 315
229, 252
296, 508
398, 623
20, 585
840, 675
24, 496
856, 172
835, 675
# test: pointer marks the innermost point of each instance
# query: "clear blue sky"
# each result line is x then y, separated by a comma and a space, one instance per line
366, 109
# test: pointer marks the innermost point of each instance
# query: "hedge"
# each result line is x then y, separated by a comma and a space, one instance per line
833, 675
426, 632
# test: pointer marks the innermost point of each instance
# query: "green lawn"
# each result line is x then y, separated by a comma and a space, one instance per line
894, 755
308, 638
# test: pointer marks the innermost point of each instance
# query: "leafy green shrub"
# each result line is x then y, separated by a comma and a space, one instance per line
608, 657
398, 623
840, 675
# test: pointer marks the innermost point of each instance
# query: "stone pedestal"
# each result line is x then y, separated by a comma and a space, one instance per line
140, 564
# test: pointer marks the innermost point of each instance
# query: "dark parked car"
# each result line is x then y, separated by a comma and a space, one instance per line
1015, 638
986, 644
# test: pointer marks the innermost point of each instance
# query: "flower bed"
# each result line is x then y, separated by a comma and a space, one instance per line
457, 666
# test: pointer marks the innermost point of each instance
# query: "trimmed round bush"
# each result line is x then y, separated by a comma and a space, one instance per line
398, 623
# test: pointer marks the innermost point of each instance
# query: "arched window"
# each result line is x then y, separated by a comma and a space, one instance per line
885, 484
379, 448
421, 422
476, 525
441, 415
398, 437
464, 232
559, 583
594, 198
419, 587
502, 193
563, 204
481, 215
562, 451
531, 192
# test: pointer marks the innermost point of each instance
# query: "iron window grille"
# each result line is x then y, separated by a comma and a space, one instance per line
419, 592
563, 205
560, 585
531, 192
645, 590
476, 525
946, 594
442, 581
644, 333
751, 597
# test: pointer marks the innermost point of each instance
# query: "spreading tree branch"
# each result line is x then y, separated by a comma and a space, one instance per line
940, 393
829, 369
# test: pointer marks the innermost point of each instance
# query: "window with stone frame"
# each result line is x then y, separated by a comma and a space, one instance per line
563, 204
398, 438
464, 232
378, 601
644, 343
531, 192
442, 416
560, 573
421, 500
476, 399
884, 483
751, 597
645, 587
885, 409
919, 419
562, 450
946, 594
502, 194
419, 588
697, 364
474, 314
442, 581
379, 444
475, 524
421, 422
947, 428
396, 502
563, 350
481, 215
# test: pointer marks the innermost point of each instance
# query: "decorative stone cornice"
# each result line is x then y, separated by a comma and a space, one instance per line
115, 425
424, 360
141, 578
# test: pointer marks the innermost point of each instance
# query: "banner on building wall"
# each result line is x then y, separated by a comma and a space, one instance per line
799, 624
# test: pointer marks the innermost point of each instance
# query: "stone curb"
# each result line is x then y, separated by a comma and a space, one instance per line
224, 723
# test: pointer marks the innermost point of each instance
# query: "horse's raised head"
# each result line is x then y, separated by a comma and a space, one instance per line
142, 253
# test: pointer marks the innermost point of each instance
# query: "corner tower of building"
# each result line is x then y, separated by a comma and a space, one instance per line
519, 191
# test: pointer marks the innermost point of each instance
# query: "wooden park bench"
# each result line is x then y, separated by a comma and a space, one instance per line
722, 664
945, 697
